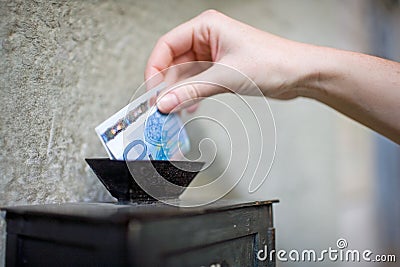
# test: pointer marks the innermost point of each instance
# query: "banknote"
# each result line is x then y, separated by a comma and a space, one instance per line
139, 131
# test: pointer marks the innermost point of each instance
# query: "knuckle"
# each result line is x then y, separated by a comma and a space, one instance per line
193, 92
210, 13
161, 40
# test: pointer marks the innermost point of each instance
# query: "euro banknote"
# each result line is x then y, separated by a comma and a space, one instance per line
139, 131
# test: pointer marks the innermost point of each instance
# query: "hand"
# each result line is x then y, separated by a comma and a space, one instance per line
363, 87
275, 64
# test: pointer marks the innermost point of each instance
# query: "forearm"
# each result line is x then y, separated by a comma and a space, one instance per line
363, 87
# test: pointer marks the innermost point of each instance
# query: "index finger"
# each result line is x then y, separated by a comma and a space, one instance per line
170, 46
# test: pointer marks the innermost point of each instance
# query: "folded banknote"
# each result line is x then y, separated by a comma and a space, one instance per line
140, 132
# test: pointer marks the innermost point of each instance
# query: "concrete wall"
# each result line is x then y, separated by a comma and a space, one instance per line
67, 66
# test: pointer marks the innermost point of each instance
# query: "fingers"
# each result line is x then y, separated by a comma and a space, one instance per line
191, 39
185, 96
195, 40
170, 46
212, 81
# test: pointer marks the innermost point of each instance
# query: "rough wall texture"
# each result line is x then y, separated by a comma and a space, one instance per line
47, 52
67, 65
64, 67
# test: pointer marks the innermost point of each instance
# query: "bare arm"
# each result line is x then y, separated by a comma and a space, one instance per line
363, 87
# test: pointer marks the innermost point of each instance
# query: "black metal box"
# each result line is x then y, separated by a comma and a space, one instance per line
225, 233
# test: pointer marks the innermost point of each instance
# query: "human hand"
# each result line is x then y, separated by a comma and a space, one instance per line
276, 65
363, 87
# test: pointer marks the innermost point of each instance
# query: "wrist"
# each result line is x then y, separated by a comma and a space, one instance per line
321, 70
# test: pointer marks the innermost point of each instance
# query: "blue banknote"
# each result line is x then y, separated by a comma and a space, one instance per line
140, 131
163, 138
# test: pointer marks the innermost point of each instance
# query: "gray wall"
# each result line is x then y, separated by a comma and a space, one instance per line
66, 67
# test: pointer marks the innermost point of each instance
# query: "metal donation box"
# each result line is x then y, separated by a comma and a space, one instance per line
139, 230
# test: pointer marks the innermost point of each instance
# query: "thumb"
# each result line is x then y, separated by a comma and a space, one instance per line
189, 91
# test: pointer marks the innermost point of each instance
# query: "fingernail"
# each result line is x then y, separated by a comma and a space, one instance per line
167, 102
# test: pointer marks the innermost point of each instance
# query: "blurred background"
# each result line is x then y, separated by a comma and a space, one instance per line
66, 66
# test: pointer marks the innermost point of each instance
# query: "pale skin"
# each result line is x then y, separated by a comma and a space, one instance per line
363, 87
